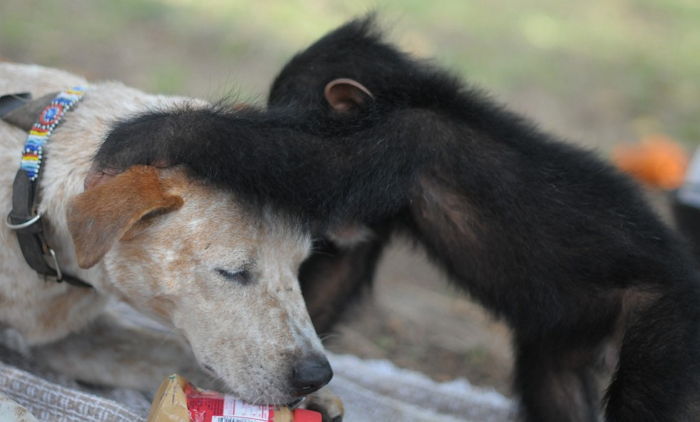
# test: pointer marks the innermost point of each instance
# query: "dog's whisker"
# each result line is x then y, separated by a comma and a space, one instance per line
329, 336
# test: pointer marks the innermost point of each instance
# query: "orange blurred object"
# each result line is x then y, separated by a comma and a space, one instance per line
657, 161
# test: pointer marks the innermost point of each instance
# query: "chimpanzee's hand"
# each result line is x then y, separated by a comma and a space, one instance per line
328, 404
157, 138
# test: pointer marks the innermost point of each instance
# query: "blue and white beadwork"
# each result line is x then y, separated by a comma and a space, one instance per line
40, 133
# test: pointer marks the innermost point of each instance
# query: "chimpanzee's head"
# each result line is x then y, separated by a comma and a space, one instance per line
352, 69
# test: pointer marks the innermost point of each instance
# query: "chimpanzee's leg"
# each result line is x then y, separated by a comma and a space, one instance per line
557, 382
559, 371
658, 375
335, 276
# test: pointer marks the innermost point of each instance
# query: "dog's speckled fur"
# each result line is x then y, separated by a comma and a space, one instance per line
250, 334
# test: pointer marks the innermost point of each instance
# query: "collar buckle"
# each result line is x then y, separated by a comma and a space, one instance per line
56, 267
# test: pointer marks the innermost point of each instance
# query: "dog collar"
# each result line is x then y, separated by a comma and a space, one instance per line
24, 219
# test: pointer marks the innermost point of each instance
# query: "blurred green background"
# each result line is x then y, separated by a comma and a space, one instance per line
598, 72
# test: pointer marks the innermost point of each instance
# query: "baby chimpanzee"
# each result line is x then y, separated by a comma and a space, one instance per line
548, 237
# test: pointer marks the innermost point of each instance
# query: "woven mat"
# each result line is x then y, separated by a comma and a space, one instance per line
48, 401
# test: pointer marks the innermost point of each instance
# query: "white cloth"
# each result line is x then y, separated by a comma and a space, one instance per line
376, 390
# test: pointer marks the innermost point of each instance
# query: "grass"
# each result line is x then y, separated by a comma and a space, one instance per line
628, 64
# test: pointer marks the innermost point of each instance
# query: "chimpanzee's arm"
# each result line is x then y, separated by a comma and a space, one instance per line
265, 158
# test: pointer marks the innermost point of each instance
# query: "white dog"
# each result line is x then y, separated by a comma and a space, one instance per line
220, 272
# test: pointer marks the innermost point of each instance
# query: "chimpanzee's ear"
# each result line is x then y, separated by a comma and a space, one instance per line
345, 95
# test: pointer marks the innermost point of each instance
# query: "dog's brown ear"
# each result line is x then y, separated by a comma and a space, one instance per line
346, 95
105, 213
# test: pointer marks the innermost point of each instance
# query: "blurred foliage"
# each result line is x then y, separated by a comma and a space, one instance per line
609, 69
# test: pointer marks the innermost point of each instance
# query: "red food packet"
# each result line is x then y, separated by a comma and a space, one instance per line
210, 406
179, 401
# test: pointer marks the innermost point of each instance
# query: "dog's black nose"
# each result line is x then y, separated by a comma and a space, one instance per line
310, 373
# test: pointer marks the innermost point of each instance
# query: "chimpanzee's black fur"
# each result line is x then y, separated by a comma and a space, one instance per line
543, 234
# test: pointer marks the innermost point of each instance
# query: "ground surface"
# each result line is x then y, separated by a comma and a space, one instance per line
598, 73
419, 321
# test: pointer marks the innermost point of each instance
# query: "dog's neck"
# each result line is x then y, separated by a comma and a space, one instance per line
41, 309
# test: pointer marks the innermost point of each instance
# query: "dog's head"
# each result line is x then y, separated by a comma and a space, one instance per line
222, 273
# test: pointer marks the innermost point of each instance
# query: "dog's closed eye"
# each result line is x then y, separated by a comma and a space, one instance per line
240, 276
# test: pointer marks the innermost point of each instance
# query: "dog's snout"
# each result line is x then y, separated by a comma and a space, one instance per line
310, 373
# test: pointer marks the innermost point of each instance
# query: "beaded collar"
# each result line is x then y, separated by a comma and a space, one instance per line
40, 133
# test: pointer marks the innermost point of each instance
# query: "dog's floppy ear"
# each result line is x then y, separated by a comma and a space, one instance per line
345, 95
105, 213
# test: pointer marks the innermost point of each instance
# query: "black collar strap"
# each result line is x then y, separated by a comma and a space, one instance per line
24, 219
21, 111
